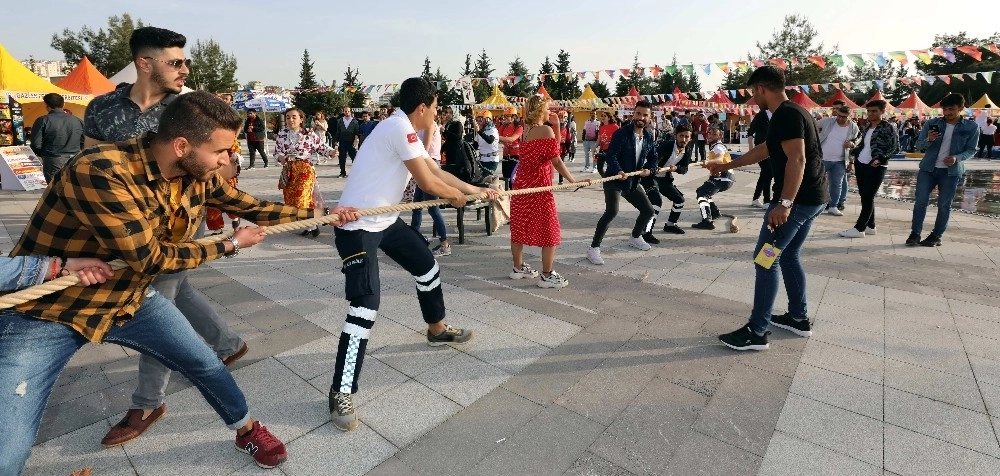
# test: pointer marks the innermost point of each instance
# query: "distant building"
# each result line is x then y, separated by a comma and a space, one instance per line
52, 70
256, 86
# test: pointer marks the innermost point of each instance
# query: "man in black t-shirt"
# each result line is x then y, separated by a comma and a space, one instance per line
800, 194
757, 132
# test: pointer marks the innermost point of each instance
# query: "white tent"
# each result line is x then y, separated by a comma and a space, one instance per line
129, 75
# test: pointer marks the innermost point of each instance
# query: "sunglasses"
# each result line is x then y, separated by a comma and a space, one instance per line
176, 63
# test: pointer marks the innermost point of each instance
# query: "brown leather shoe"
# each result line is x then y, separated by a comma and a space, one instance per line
237, 356
131, 426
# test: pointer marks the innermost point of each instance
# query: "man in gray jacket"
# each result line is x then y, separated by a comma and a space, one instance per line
56, 137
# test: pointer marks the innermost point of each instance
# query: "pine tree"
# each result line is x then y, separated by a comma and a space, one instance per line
565, 87
426, 73
467, 70
447, 96
211, 68
600, 88
483, 69
312, 101
353, 96
307, 79
545, 77
522, 88
642, 83
797, 38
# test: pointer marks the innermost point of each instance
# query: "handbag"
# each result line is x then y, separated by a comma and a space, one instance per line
283, 176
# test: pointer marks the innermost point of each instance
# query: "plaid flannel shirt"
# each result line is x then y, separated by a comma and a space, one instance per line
113, 202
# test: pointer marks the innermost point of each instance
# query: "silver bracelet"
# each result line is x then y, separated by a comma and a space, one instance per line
236, 247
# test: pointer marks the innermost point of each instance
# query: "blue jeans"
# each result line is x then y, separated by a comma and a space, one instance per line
836, 175
946, 185
789, 239
589, 147
33, 352
435, 212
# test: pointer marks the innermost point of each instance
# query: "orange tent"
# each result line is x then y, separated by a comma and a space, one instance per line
840, 96
544, 92
914, 102
678, 95
86, 79
802, 99
633, 92
877, 97
720, 98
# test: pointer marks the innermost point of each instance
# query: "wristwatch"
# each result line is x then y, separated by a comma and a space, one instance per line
236, 247
786, 203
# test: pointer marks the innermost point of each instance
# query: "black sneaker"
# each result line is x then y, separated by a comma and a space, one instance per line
649, 238
913, 239
789, 323
674, 229
841, 207
932, 240
704, 225
745, 339
451, 335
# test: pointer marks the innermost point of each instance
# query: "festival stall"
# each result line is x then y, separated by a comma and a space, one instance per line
497, 100
803, 99
27, 88
129, 75
840, 96
86, 79
914, 106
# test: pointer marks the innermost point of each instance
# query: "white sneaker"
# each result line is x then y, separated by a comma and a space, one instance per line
594, 255
553, 280
757, 204
639, 243
523, 272
870, 231
833, 211
852, 233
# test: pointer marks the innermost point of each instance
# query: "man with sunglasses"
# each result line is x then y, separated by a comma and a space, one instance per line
836, 135
123, 114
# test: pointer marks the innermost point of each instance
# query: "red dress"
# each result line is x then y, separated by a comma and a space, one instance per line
533, 217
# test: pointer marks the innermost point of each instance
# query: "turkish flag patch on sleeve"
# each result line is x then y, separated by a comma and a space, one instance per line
412, 137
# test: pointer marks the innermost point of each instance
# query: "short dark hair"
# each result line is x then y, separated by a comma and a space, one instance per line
876, 103
644, 103
768, 76
414, 92
53, 100
195, 116
682, 128
153, 38
953, 99
839, 102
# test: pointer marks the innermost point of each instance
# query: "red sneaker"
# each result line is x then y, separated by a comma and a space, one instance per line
265, 448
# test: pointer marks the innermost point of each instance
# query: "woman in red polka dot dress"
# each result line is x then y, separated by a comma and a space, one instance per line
533, 217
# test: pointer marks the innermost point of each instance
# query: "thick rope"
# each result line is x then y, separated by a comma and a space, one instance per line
30, 294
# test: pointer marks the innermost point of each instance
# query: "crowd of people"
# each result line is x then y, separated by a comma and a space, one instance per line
151, 165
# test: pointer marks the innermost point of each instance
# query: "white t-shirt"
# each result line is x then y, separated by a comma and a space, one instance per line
866, 153
379, 176
949, 131
434, 146
489, 152
989, 130
675, 156
833, 148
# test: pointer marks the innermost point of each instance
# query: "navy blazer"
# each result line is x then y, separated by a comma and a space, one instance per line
666, 148
621, 156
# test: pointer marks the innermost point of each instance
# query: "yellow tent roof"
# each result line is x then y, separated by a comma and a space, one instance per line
588, 94
496, 100
28, 88
983, 102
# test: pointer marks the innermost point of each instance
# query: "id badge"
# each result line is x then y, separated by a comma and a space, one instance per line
767, 256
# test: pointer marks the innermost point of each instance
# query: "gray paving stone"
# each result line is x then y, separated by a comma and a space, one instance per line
986, 370
980, 346
413, 356
976, 310
907, 452
848, 317
700, 368
392, 467
942, 421
849, 393
855, 435
406, 412
857, 303
312, 359
845, 361
856, 288
470, 435
703, 455
78, 450
645, 437
991, 395
548, 444
851, 338
934, 384
592, 465
83, 411
745, 409
788, 455
463, 379
328, 450
978, 327
943, 356
501, 349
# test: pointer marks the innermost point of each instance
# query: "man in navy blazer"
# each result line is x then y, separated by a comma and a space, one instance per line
632, 149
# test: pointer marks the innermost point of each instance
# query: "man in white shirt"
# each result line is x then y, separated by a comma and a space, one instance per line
836, 136
387, 159
590, 129
717, 151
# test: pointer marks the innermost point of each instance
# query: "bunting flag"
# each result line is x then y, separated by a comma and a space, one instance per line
688, 69
993, 48
707, 68
987, 75
900, 57
880, 83
972, 51
671, 70
818, 61
879, 59
837, 60
946, 53
857, 59
922, 55
758, 63
724, 67
815, 88
656, 70
611, 73
742, 65
945, 78
625, 72
780, 63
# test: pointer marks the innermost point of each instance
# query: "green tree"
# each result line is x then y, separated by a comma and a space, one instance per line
211, 68
737, 79
353, 96
483, 69
447, 95
564, 87
467, 69
600, 88
312, 101
931, 93
426, 72
523, 87
545, 77
797, 38
872, 72
642, 83
107, 49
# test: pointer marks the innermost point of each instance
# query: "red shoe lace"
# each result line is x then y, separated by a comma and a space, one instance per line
264, 438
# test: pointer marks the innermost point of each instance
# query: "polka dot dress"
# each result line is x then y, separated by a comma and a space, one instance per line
533, 217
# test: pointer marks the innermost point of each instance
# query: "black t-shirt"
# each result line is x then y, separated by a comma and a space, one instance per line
792, 121
758, 128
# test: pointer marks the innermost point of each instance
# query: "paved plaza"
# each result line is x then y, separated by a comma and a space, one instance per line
618, 374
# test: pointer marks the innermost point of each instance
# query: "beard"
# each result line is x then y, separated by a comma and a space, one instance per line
640, 123
190, 165
167, 86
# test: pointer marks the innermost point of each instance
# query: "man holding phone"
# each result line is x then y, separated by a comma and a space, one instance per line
949, 141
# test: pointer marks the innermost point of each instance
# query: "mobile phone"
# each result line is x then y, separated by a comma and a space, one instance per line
934, 128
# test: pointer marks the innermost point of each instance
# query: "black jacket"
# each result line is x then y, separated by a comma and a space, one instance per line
621, 156
256, 128
345, 134
666, 148
57, 134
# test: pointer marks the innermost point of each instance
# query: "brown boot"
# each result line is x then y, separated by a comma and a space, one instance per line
237, 356
132, 426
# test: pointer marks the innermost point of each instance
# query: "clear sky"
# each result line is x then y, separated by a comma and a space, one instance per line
388, 40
